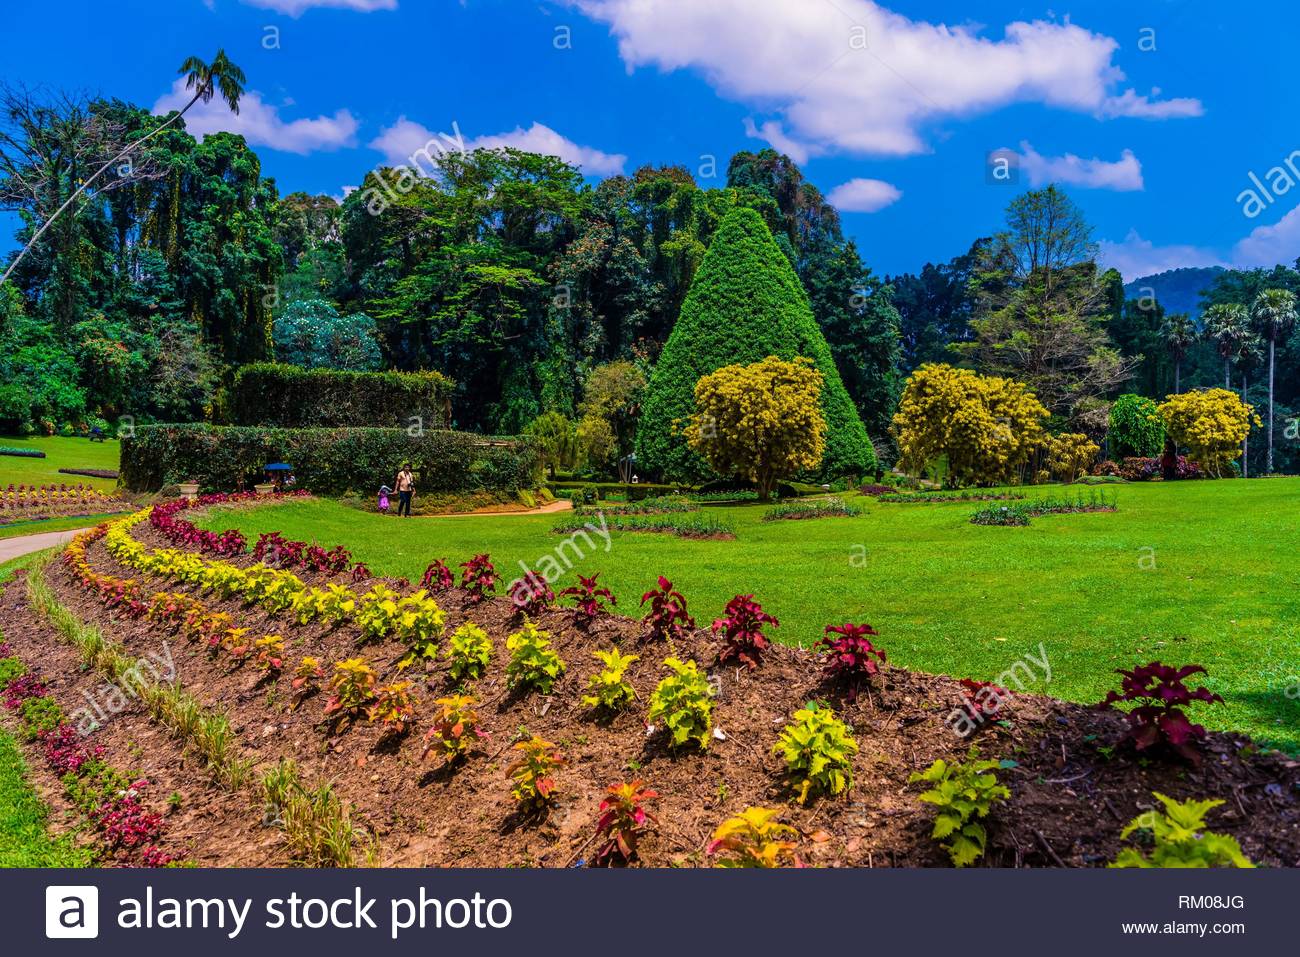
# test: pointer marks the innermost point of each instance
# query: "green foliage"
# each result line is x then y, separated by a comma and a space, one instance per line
533, 662
745, 304
468, 650
39, 714
609, 688
24, 841
328, 461
1136, 427
286, 396
754, 838
1179, 838
533, 772
557, 440
684, 703
818, 508
10, 668
311, 333
818, 751
963, 792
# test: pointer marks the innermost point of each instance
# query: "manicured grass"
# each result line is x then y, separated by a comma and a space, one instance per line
23, 838
40, 526
60, 453
1190, 572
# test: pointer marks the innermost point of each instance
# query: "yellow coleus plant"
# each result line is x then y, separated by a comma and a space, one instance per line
761, 421
1211, 423
985, 426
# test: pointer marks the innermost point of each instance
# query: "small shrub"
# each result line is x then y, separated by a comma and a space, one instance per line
982, 699
684, 702
1017, 515
850, 659
1179, 838
377, 616
454, 729
754, 838
1161, 696
963, 793
532, 773
39, 716
269, 657
667, 619
609, 688
469, 649
823, 508
393, 706
818, 751
589, 597
478, 578
437, 576
352, 687
741, 629
10, 668
532, 593
623, 821
308, 675
533, 663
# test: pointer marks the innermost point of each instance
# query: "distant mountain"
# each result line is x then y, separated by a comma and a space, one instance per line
1178, 290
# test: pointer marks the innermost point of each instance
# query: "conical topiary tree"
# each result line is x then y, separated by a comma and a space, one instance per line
744, 304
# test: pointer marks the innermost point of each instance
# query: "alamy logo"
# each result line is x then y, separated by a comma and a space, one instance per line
71, 911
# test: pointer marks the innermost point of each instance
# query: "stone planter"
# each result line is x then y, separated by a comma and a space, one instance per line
189, 489
264, 488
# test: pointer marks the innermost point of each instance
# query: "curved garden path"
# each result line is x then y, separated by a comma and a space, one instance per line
21, 545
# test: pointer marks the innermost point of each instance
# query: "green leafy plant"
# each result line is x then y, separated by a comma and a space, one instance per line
377, 615
10, 668
963, 793
533, 662
393, 705
38, 715
609, 688
468, 649
352, 687
533, 772
754, 838
1179, 838
684, 703
818, 751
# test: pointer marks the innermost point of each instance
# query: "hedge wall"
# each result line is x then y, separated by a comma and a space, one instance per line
328, 461
290, 397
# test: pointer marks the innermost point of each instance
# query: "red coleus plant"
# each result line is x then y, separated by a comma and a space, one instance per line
741, 630
982, 699
668, 619
623, 821
1158, 718
850, 658
532, 593
125, 822
23, 687
437, 577
360, 572
588, 597
65, 752
478, 578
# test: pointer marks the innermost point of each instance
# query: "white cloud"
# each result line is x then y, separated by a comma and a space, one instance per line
1123, 174
260, 123
772, 134
851, 75
1265, 246
296, 8
863, 195
406, 138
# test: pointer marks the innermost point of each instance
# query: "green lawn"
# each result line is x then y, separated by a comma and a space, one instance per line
60, 453
23, 838
948, 596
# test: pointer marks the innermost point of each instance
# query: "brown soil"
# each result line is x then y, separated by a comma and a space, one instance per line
203, 824
1071, 794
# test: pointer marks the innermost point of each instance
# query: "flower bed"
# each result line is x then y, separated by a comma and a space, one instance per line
683, 526
817, 508
24, 503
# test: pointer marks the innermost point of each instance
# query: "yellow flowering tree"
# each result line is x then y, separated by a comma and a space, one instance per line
1211, 423
761, 421
986, 426
1070, 454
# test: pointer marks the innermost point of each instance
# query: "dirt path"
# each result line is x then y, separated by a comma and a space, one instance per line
26, 544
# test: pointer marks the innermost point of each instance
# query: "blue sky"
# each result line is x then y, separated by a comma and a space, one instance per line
1152, 114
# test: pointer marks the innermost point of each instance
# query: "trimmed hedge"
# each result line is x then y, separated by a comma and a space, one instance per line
21, 453
290, 397
744, 304
327, 461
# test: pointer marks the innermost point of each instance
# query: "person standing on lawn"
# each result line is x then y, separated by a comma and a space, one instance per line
405, 485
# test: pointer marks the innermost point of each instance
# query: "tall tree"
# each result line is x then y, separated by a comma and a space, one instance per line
1274, 314
1179, 334
1227, 325
205, 79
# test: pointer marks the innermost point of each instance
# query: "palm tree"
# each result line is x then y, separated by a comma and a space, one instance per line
1227, 325
1250, 350
206, 80
1179, 334
1274, 313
